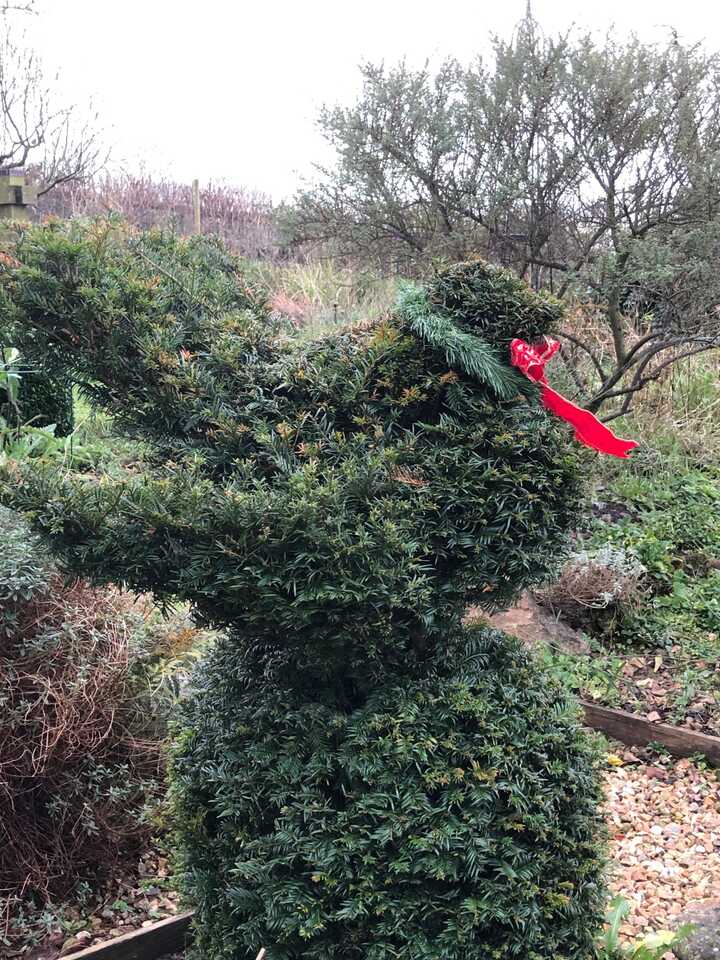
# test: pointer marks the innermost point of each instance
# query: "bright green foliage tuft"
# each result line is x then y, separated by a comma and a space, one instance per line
653, 946
335, 505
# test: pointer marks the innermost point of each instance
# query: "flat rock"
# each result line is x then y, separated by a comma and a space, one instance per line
535, 625
704, 942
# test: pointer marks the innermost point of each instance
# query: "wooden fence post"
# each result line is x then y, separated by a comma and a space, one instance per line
196, 206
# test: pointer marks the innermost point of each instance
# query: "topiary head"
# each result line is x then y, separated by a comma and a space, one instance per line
471, 312
492, 303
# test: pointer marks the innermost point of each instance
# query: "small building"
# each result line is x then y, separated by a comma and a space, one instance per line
15, 195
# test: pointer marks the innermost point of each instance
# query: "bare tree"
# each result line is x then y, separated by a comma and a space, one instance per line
386, 197
592, 168
34, 129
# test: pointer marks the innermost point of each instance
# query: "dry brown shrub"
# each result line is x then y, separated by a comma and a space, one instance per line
242, 217
595, 590
78, 761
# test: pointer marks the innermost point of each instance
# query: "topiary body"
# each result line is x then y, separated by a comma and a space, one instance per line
451, 815
336, 506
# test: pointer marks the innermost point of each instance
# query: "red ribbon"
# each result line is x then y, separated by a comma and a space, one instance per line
588, 429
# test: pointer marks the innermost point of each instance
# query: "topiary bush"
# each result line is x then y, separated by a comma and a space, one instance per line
452, 814
356, 773
119, 275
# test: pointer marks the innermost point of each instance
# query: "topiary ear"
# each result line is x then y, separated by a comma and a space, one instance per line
493, 303
464, 351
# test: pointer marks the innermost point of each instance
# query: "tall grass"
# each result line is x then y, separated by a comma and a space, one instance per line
676, 421
675, 418
322, 295
244, 218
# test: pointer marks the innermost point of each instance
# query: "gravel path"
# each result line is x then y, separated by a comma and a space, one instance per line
664, 821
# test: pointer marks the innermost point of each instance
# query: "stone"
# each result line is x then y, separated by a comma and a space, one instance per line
72, 945
535, 625
655, 773
704, 942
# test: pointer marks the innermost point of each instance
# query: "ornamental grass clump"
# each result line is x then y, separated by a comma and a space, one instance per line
356, 773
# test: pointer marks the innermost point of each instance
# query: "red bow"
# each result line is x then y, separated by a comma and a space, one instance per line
588, 429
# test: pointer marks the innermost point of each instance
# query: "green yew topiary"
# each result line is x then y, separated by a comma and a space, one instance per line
44, 398
452, 814
356, 773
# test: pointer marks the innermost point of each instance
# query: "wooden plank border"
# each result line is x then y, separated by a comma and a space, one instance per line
637, 731
148, 943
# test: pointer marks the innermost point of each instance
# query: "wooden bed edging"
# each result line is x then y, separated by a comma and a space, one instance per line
147, 943
636, 731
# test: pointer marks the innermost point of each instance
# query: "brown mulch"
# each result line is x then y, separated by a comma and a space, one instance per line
648, 686
126, 903
649, 683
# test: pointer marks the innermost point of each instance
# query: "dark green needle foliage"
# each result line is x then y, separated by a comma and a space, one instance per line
452, 814
356, 774
44, 398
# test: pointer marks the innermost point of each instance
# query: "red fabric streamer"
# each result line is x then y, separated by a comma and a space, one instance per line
588, 429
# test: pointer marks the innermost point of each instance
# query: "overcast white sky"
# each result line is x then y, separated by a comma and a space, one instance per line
229, 89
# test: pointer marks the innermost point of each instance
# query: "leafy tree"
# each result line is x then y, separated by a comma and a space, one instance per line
356, 773
579, 164
387, 199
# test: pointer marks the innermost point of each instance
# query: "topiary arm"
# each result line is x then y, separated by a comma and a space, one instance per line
394, 538
169, 376
286, 563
